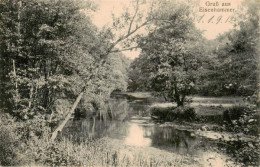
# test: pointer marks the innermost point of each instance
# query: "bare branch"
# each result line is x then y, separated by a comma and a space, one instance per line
126, 36
125, 49
136, 10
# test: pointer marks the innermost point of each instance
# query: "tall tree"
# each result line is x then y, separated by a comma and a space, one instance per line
172, 52
41, 44
109, 42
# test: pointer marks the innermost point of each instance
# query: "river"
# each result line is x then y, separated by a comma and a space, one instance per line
136, 129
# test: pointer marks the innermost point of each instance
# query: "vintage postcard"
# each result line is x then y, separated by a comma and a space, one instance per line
129, 83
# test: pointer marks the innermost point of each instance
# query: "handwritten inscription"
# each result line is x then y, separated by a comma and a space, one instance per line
215, 19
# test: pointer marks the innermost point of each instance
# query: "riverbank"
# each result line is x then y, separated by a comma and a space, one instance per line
134, 141
126, 155
230, 122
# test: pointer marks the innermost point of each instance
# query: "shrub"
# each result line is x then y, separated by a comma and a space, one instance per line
11, 141
186, 113
234, 113
241, 119
27, 143
8, 153
173, 113
162, 114
241, 151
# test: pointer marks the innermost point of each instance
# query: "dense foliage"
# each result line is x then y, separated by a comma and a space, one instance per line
37, 41
48, 49
50, 52
233, 65
171, 54
176, 61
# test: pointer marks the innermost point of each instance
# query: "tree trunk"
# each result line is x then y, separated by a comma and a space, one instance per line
103, 58
179, 101
16, 86
61, 126
177, 97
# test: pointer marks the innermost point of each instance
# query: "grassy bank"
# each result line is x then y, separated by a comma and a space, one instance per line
27, 143
233, 128
244, 119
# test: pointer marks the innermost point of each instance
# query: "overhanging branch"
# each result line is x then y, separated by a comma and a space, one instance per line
126, 36
124, 49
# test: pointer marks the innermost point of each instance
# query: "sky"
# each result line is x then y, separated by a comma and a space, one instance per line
211, 23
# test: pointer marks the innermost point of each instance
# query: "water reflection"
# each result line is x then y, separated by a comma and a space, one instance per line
136, 136
173, 140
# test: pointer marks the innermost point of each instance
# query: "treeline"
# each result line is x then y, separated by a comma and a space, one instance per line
176, 60
233, 69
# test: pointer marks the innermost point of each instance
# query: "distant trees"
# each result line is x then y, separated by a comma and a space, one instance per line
176, 61
171, 54
244, 52
233, 68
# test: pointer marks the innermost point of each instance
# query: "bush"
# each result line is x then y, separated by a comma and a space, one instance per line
8, 143
234, 113
27, 143
241, 119
162, 114
173, 113
186, 113
6, 152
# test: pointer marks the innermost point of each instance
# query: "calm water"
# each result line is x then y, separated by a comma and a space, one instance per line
136, 129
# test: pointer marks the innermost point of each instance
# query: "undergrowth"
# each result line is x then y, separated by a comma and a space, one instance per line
243, 119
27, 143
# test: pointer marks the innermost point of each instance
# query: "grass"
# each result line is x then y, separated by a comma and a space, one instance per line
231, 114
206, 105
209, 110
111, 152
21, 150
219, 100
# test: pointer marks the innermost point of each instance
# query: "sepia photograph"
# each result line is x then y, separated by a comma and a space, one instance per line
129, 83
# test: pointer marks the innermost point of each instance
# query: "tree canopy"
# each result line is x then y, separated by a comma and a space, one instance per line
171, 54
233, 65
